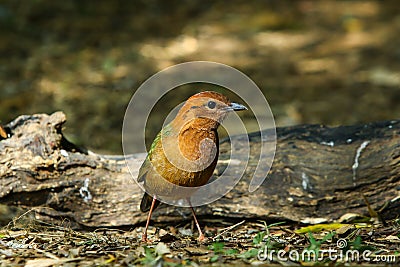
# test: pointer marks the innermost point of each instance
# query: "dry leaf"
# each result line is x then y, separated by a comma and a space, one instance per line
162, 249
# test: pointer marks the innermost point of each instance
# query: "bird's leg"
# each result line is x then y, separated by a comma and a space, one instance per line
144, 236
201, 235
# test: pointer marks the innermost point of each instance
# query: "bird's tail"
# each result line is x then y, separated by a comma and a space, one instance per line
146, 202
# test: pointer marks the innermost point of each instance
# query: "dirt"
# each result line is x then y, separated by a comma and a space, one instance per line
35, 243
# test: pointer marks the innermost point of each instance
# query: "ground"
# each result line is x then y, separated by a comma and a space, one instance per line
34, 243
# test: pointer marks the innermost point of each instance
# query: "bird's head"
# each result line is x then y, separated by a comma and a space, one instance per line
206, 109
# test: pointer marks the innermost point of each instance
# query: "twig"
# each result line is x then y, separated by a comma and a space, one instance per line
14, 221
47, 254
228, 229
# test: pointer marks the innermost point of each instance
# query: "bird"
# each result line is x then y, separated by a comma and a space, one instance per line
3, 133
184, 153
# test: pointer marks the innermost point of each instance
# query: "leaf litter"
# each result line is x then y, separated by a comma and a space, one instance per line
33, 243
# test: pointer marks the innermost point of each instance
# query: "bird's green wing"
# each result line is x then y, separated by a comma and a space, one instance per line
143, 170
147, 163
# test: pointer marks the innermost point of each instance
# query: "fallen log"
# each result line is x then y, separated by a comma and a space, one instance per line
319, 174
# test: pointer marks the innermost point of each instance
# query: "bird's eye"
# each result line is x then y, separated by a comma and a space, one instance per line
211, 104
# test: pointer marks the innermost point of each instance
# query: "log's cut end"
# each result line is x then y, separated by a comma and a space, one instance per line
319, 174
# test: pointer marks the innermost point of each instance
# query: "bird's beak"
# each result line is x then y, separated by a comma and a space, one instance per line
236, 107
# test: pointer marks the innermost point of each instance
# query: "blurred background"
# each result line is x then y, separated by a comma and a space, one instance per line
325, 62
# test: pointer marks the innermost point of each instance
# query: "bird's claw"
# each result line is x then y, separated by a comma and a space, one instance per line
201, 238
145, 239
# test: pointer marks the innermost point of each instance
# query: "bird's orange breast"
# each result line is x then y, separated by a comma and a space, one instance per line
168, 164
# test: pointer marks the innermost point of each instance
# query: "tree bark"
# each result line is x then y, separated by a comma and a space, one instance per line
319, 174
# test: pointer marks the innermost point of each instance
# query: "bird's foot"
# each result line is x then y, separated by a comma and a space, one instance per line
145, 239
201, 238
